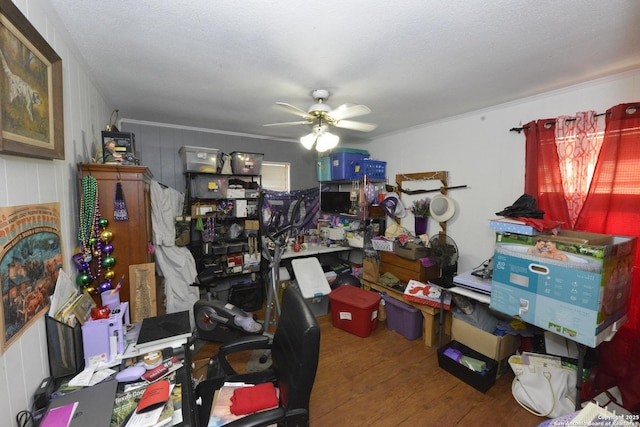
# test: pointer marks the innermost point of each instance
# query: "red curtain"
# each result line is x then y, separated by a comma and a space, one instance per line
612, 206
613, 202
542, 172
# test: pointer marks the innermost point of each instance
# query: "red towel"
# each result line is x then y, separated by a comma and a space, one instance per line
542, 225
247, 400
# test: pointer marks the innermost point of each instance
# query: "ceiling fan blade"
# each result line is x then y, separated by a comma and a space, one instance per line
350, 124
302, 122
346, 111
293, 109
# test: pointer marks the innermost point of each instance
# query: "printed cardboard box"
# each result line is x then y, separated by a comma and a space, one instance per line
575, 289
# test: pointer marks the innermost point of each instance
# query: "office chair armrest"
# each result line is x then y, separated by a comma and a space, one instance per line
259, 419
249, 342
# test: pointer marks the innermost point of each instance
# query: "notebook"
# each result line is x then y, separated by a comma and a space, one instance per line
95, 404
167, 328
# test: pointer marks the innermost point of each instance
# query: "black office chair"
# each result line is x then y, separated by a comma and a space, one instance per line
294, 353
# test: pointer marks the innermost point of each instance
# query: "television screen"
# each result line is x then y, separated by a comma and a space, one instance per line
334, 201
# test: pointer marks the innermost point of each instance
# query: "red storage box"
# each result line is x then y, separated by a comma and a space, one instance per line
354, 310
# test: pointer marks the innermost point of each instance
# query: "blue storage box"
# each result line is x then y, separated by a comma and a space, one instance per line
344, 165
374, 169
403, 318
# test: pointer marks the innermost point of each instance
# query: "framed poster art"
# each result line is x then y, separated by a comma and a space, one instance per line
30, 260
31, 109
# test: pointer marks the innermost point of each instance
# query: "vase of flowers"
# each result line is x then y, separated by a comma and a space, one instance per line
420, 209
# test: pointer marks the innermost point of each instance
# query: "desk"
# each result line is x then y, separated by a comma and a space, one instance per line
316, 250
469, 280
429, 329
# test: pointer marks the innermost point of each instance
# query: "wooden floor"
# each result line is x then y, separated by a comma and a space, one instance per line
387, 380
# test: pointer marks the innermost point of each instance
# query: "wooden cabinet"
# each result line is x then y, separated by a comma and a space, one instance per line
131, 238
406, 269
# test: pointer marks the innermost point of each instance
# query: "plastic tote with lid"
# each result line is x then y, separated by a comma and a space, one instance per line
312, 283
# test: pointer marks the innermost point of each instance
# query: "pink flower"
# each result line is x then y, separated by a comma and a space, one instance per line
420, 207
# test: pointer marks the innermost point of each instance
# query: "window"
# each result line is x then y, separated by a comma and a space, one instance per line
275, 176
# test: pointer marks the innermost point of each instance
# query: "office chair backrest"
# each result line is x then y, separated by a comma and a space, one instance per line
295, 352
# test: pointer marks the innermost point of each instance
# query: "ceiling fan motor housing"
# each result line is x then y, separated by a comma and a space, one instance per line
319, 109
320, 95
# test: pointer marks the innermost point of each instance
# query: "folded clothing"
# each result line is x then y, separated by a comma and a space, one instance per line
247, 400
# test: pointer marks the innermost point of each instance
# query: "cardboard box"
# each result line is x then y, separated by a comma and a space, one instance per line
582, 292
493, 346
481, 381
251, 224
498, 348
235, 193
582, 238
411, 251
510, 225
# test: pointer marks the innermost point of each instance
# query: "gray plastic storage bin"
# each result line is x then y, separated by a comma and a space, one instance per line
200, 159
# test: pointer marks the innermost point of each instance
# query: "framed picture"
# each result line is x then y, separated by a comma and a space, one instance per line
31, 257
31, 116
118, 148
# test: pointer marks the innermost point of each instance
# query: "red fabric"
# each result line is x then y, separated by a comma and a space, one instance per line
543, 225
542, 174
613, 203
578, 144
612, 207
247, 400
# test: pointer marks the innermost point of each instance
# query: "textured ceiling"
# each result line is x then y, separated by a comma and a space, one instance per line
223, 64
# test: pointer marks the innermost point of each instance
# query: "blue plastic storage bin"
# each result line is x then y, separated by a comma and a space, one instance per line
324, 169
374, 169
345, 165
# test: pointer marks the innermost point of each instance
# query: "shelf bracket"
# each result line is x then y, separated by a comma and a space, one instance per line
423, 176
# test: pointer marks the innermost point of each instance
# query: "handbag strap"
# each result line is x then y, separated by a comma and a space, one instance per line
547, 376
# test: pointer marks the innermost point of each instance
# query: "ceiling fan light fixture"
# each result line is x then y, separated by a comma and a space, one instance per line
326, 141
320, 136
307, 141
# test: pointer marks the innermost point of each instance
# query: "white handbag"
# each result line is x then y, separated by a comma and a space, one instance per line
544, 389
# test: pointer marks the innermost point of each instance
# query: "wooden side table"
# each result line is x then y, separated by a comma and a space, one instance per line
430, 324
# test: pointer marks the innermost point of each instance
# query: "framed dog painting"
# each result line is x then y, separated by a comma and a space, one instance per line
31, 116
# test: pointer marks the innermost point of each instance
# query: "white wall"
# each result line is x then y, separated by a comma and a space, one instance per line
478, 150
27, 181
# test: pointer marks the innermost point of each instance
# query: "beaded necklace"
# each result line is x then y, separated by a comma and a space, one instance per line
96, 250
89, 226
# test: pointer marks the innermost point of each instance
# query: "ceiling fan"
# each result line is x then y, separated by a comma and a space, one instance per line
321, 117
